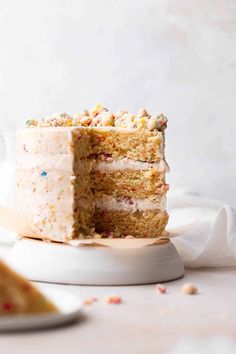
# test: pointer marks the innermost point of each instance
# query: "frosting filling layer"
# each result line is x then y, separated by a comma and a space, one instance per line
130, 204
124, 164
64, 162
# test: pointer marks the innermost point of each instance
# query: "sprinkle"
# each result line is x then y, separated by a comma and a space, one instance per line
189, 289
69, 122
113, 299
31, 123
43, 173
161, 289
97, 109
7, 306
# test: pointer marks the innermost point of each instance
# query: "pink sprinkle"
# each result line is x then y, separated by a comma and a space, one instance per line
106, 156
113, 299
7, 306
160, 288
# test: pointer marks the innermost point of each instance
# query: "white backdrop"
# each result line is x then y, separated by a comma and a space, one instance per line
174, 56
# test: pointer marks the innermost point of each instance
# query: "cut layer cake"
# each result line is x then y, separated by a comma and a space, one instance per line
94, 174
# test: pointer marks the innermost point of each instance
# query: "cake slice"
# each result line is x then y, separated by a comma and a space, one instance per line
19, 296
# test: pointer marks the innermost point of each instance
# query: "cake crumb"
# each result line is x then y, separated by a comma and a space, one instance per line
90, 300
100, 116
160, 289
113, 299
189, 289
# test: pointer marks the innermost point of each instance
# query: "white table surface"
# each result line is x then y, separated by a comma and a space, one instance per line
145, 323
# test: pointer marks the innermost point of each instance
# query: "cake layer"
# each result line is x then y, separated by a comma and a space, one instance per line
118, 223
149, 183
143, 145
53, 141
135, 144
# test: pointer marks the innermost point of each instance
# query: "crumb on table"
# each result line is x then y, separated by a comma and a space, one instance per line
90, 300
189, 289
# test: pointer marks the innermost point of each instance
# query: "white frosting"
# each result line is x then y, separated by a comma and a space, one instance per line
132, 205
56, 162
124, 164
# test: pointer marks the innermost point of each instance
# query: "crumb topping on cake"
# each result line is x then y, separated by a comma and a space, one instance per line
99, 116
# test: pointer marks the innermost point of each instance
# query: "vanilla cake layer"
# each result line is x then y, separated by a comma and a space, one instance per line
121, 223
120, 217
53, 141
134, 144
143, 145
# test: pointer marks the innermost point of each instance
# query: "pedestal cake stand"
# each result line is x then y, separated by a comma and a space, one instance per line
97, 263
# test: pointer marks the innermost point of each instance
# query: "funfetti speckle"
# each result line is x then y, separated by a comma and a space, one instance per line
43, 173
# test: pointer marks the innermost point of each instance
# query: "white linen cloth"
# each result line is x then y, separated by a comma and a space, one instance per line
211, 237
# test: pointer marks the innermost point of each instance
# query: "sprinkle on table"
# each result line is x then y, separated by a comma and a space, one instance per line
160, 289
90, 300
113, 299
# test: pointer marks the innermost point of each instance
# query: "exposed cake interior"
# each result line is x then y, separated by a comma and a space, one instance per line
19, 296
106, 178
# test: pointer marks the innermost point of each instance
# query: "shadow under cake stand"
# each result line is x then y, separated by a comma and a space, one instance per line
96, 264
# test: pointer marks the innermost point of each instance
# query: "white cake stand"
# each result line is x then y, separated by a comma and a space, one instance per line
96, 265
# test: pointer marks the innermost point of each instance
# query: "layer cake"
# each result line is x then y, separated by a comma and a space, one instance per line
94, 174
